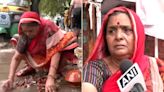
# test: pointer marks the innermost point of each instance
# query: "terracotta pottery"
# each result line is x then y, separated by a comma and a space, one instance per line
73, 77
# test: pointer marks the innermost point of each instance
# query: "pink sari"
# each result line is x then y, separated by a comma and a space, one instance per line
48, 42
138, 57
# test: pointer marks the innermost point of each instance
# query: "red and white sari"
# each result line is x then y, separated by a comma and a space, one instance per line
50, 40
147, 65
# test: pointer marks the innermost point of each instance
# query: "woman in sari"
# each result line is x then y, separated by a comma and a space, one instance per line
121, 37
41, 44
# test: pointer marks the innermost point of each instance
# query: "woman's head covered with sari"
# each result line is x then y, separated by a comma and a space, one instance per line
100, 49
33, 17
28, 17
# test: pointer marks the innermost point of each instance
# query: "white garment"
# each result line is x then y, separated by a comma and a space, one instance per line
156, 78
151, 13
76, 3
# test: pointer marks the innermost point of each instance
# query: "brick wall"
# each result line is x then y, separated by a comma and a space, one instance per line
149, 47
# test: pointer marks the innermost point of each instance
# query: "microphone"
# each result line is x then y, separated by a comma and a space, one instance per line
137, 88
132, 79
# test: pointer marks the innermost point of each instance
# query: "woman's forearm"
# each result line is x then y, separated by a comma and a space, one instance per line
14, 64
54, 65
88, 87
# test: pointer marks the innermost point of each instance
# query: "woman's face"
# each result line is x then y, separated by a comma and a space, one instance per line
30, 31
120, 36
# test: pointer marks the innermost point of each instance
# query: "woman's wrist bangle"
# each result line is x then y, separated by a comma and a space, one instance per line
51, 76
11, 78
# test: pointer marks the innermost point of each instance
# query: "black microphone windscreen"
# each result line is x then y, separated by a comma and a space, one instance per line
125, 65
137, 88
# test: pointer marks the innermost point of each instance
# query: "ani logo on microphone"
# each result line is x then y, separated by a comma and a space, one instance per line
128, 77
132, 76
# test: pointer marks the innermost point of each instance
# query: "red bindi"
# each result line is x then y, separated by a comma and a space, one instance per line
118, 23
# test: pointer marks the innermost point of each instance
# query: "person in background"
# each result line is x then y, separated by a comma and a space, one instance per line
35, 6
41, 44
75, 9
67, 19
121, 37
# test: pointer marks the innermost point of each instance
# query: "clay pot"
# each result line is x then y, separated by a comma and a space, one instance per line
73, 77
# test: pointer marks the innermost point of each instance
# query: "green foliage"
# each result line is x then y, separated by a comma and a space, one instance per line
53, 7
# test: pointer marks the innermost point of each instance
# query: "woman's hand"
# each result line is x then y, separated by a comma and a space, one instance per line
7, 85
50, 85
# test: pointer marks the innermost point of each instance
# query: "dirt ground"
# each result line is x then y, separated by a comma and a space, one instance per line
6, 53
